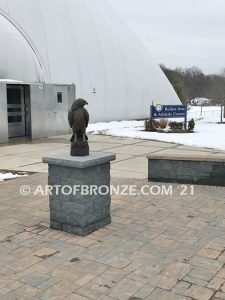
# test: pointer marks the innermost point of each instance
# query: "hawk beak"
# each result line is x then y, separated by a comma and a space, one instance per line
86, 103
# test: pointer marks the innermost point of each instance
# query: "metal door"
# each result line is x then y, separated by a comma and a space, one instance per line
16, 111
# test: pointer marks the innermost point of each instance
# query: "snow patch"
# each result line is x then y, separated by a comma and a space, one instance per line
7, 176
207, 133
10, 81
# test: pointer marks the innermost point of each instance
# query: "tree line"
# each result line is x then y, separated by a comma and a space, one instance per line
190, 83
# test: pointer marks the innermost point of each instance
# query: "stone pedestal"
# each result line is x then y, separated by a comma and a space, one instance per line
80, 198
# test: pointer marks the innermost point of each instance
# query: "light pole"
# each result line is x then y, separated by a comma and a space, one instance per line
224, 108
221, 113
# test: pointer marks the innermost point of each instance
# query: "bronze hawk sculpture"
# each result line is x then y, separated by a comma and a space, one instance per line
78, 118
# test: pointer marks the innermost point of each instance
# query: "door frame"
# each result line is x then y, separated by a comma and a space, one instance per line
25, 109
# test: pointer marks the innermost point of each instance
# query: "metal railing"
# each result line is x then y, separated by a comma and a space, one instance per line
206, 112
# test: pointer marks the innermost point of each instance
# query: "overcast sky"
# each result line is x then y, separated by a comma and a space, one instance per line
179, 32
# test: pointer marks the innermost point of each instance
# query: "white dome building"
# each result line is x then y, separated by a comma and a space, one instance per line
59, 43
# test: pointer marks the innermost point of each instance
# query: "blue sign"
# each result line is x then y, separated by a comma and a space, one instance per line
168, 111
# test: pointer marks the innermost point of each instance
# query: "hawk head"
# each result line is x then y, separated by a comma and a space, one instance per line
78, 103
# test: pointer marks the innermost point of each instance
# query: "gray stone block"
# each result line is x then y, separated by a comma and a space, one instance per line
78, 212
58, 171
219, 170
79, 221
78, 208
59, 216
86, 220
55, 204
54, 180
105, 211
55, 225
102, 202
83, 231
187, 171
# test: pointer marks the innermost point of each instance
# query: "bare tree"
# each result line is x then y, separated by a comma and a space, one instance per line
192, 83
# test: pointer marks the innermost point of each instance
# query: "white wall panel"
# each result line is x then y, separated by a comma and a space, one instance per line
17, 58
86, 43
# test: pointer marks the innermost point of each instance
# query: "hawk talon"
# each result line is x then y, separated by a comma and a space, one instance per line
84, 143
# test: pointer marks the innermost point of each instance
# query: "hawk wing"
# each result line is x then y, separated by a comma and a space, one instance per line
86, 117
70, 118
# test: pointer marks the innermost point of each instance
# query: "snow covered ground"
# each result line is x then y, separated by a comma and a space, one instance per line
207, 133
6, 176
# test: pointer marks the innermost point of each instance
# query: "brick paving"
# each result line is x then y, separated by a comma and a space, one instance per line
157, 247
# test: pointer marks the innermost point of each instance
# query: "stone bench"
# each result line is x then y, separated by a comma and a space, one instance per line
204, 169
